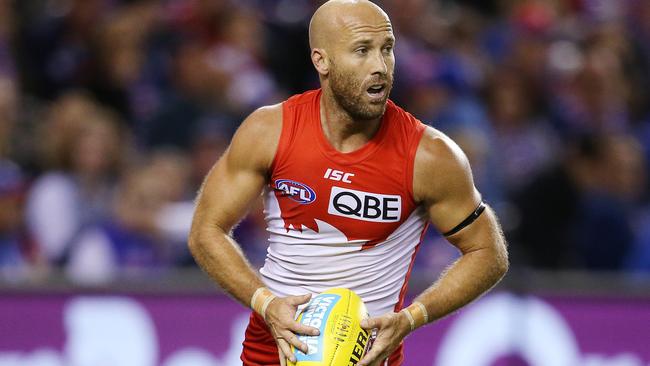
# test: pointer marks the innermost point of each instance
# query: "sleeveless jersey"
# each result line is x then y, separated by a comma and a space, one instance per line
342, 219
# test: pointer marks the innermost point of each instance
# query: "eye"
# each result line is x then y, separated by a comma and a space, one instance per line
361, 51
388, 49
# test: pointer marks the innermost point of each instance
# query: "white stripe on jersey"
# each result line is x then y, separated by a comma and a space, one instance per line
311, 262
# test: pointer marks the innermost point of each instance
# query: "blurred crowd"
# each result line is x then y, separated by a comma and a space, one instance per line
113, 111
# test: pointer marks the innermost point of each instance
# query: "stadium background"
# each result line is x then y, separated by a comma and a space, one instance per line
112, 111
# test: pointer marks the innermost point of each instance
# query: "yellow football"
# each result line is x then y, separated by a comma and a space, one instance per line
337, 313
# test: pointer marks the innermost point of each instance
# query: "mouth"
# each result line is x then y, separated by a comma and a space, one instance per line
377, 92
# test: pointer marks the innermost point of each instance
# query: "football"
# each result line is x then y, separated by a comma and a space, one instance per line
337, 313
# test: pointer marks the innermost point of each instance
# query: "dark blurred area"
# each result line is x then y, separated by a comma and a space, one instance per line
112, 112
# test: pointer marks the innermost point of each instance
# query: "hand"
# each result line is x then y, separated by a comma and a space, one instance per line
391, 329
280, 316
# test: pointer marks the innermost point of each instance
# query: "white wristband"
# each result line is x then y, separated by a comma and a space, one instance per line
265, 305
425, 313
261, 299
409, 317
256, 294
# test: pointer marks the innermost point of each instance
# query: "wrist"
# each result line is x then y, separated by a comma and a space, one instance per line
416, 315
406, 323
260, 301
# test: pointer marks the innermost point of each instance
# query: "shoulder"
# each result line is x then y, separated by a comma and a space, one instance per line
440, 166
256, 139
263, 121
438, 149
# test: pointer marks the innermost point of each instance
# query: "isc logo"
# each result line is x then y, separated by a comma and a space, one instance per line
365, 206
338, 175
296, 191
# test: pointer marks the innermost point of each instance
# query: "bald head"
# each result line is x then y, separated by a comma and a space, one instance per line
332, 19
352, 50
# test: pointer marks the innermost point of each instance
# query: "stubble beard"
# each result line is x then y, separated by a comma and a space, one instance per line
348, 93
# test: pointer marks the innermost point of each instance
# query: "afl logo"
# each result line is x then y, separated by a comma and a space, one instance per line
296, 191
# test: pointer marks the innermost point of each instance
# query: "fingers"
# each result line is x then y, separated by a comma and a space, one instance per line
283, 358
288, 337
295, 341
295, 326
385, 342
376, 353
285, 328
303, 329
299, 300
284, 350
373, 355
370, 323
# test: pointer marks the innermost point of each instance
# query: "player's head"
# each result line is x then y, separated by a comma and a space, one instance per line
352, 49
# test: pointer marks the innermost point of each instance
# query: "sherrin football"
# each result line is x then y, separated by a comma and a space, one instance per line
337, 313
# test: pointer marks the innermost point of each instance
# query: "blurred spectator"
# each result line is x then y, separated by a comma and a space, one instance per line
56, 51
85, 152
208, 146
19, 257
124, 78
174, 217
8, 114
638, 260
526, 143
7, 66
579, 213
238, 56
603, 233
192, 104
547, 98
130, 242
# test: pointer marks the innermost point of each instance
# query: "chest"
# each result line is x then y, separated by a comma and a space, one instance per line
365, 201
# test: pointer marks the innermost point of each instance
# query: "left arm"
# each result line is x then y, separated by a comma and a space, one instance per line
443, 184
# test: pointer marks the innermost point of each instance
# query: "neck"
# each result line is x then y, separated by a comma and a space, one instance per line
343, 132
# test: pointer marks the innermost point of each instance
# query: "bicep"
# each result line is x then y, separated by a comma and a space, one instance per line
227, 193
443, 182
238, 177
444, 185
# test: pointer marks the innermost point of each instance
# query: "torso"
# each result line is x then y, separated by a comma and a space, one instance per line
342, 219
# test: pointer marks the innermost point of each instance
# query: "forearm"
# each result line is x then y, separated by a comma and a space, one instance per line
483, 263
222, 259
465, 280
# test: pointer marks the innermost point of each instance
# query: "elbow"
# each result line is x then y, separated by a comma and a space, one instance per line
203, 238
502, 262
194, 242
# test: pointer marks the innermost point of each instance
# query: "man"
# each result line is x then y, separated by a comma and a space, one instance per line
350, 182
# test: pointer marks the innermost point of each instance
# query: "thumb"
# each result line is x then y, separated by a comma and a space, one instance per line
299, 300
369, 323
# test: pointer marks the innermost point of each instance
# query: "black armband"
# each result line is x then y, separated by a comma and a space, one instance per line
470, 219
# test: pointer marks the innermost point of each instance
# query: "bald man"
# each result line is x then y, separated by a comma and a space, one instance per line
350, 183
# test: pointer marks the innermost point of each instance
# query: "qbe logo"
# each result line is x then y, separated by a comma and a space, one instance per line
365, 206
296, 191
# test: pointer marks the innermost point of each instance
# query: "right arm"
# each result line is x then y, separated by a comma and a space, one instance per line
227, 193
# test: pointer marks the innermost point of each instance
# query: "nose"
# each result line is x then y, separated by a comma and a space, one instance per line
379, 64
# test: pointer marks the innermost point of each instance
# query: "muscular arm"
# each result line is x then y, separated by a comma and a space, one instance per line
443, 183
227, 193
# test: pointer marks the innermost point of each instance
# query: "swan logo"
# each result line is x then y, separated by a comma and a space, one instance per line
296, 191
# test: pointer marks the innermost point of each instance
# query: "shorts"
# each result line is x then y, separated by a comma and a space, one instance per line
260, 348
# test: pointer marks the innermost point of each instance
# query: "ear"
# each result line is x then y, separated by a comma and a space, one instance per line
320, 60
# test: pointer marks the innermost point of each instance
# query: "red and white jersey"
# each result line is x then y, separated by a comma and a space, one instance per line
343, 219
